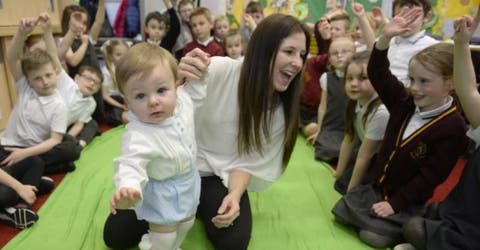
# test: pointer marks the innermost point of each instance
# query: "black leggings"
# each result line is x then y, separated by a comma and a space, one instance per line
28, 171
124, 230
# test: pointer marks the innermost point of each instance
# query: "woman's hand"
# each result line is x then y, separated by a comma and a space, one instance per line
193, 65
227, 213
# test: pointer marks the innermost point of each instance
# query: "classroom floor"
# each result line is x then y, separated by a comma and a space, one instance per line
293, 214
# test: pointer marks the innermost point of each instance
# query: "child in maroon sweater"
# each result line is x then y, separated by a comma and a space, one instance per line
417, 152
201, 23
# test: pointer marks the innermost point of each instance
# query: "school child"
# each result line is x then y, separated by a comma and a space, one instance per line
20, 184
162, 29
408, 43
156, 171
115, 108
252, 16
39, 119
233, 45
220, 28
201, 23
81, 49
454, 224
416, 154
333, 103
315, 67
364, 28
185, 8
78, 96
365, 122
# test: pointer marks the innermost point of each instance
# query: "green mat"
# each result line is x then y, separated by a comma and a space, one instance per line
292, 214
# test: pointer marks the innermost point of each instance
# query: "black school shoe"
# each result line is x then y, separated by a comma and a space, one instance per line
18, 217
46, 185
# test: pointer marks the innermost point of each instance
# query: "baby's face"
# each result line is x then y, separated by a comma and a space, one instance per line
152, 98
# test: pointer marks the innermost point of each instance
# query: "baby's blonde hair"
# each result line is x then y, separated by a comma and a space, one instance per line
140, 61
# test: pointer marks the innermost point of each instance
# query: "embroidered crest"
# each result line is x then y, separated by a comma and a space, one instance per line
419, 152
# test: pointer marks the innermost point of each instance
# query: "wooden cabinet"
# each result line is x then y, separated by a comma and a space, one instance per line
11, 11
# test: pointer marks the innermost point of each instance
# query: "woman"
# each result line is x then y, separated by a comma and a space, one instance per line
255, 104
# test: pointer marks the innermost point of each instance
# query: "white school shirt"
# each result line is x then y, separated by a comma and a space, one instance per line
80, 108
401, 50
34, 117
376, 122
216, 123
108, 82
157, 151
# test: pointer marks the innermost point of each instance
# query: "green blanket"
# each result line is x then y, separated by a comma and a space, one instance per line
293, 214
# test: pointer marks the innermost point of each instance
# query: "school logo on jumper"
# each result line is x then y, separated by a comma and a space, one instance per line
419, 152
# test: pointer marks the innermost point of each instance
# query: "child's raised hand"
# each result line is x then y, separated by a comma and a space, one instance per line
402, 21
27, 193
465, 26
43, 21
193, 65
27, 25
123, 199
16, 155
324, 28
249, 21
378, 16
357, 9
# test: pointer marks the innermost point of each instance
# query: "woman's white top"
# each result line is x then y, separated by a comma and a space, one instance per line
216, 123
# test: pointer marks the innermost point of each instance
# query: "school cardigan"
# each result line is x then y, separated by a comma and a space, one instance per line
407, 171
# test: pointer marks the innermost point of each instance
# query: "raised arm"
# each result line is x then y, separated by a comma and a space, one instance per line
99, 19
75, 27
15, 50
399, 24
463, 71
44, 22
367, 31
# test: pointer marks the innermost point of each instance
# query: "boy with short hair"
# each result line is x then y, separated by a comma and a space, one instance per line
78, 95
252, 16
185, 8
39, 119
201, 23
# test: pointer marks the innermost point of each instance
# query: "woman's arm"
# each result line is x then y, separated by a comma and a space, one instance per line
229, 210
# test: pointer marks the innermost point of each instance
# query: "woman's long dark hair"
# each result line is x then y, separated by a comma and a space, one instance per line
257, 96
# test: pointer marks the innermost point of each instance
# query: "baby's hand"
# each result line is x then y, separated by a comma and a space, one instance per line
123, 199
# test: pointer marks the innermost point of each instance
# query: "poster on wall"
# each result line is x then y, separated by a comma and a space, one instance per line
441, 23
